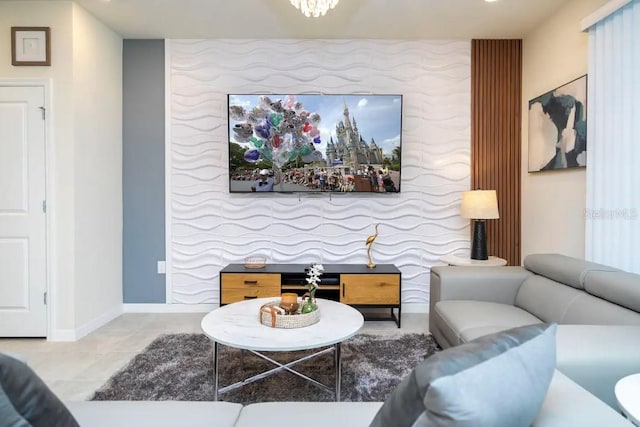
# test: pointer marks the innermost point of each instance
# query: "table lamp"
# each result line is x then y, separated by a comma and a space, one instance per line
479, 205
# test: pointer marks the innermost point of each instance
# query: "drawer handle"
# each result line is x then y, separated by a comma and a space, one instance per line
250, 282
344, 286
250, 297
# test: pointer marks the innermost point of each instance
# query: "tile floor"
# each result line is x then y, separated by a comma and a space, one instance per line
73, 370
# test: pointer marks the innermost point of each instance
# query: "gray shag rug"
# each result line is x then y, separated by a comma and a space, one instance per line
180, 367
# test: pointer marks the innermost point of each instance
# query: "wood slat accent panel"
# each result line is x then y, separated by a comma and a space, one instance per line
496, 91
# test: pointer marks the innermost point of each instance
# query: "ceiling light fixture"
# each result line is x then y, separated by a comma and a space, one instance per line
314, 8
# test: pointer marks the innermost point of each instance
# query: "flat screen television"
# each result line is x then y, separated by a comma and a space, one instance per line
315, 143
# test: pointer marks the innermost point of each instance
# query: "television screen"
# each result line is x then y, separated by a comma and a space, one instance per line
315, 143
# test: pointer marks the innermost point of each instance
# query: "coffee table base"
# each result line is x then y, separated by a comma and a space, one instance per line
281, 367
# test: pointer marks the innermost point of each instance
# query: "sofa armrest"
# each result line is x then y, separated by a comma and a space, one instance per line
597, 356
492, 284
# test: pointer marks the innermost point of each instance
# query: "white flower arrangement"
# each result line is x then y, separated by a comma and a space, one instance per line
313, 281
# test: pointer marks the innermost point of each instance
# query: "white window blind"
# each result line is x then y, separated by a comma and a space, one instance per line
613, 135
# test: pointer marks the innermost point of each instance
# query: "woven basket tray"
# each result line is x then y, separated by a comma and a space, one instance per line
269, 317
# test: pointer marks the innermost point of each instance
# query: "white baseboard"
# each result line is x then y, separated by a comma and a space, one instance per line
62, 335
205, 308
87, 328
415, 307
169, 308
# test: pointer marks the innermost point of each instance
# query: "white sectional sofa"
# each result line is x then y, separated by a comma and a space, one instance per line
566, 405
597, 309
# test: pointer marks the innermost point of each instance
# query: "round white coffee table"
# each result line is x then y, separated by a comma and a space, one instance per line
627, 392
238, 325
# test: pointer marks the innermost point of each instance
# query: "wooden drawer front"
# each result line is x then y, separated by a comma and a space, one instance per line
370, 289
238, 287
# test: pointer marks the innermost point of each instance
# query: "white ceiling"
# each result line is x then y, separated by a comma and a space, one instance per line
374, 19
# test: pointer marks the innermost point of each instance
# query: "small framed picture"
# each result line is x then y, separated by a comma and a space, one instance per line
30, 46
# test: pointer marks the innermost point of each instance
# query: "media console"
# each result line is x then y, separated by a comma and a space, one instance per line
352, 284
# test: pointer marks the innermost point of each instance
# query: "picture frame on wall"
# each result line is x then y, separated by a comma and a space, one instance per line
30, 46
558, 128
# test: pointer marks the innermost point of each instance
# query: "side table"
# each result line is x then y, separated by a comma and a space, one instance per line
466, 261
627, 391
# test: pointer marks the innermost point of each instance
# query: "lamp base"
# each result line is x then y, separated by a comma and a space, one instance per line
479, 244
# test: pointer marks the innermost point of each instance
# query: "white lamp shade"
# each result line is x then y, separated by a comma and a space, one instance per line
479, 204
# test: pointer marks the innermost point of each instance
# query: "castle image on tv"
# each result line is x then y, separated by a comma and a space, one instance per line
301, 143
350, 147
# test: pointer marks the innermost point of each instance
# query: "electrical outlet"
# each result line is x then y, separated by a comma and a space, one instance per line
162, 267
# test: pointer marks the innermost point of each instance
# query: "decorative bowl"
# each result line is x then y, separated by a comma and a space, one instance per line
255, 262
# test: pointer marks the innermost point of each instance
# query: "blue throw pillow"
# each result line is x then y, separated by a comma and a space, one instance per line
26, 401
498, 380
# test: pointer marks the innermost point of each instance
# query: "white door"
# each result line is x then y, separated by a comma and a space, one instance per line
23, 312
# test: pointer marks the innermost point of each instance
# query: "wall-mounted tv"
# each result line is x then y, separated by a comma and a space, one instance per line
315, 143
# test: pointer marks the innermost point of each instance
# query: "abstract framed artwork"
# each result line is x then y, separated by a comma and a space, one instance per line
30, 46
558, 128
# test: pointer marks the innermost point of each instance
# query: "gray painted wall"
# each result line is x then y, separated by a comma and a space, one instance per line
143, 171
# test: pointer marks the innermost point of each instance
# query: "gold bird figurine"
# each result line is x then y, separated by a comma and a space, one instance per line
369, 243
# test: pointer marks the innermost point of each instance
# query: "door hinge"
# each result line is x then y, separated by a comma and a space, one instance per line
44, 206
45, 298
44, 112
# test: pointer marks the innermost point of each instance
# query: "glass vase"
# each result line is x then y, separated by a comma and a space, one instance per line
309, 305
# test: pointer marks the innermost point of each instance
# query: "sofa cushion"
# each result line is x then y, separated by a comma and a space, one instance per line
585, 309
497, 380
562, 268
155, 413
619, 287
461, 321
567, 404
597, 356
545, 298
309, 414
26, 395
552, 301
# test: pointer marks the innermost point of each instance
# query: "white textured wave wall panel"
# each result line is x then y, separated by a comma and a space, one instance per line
209, 227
